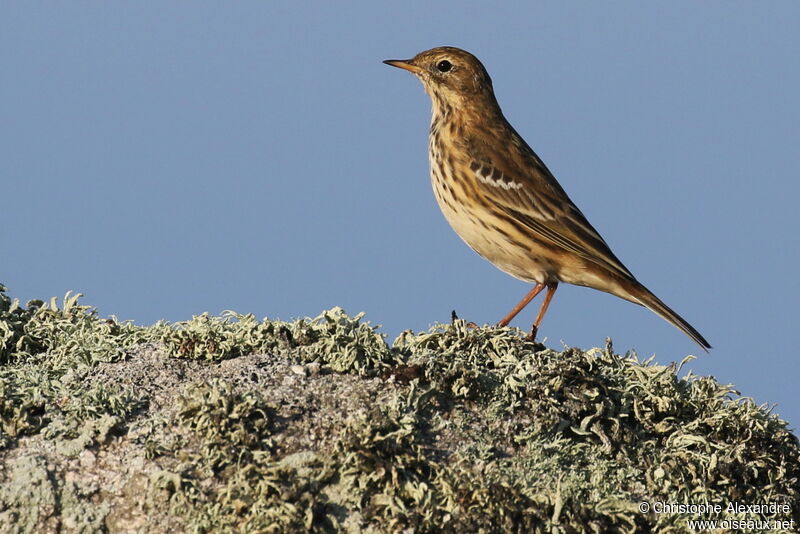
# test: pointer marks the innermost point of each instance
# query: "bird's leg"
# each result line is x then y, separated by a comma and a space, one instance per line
551, 290
524, 302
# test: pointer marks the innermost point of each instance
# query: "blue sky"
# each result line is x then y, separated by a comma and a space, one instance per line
167, 159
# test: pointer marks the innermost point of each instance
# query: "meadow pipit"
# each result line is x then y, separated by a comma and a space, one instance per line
503, 201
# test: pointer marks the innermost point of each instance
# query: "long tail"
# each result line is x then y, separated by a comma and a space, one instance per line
643, 296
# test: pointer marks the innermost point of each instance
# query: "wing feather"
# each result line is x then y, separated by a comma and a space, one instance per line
536, 200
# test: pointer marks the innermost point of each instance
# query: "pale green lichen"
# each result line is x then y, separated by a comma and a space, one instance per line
329, 429
230, 427
333, 338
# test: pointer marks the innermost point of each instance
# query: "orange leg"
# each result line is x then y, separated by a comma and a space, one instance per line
551, 290
524, 302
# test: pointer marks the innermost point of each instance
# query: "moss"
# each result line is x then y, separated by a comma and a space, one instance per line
232, 424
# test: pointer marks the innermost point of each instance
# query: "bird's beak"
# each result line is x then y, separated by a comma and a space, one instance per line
405, 64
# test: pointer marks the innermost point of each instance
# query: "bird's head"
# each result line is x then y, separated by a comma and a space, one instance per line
450, 75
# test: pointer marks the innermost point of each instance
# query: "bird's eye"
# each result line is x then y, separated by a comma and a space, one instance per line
444, 66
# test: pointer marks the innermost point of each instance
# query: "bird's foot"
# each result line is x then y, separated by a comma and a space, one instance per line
532, 335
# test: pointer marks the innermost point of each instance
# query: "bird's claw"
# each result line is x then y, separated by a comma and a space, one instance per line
532, 335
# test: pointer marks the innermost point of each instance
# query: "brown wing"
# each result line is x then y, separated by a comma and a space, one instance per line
535, 198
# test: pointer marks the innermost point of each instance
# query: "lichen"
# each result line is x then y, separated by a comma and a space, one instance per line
233, 424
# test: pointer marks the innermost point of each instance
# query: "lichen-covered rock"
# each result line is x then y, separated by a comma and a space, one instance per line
230, 424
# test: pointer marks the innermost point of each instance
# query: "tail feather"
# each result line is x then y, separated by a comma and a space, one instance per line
643, 296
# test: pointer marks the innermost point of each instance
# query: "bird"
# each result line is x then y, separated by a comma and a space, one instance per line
504, 202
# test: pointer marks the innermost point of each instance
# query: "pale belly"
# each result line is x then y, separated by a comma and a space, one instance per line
512, 248
510, 254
